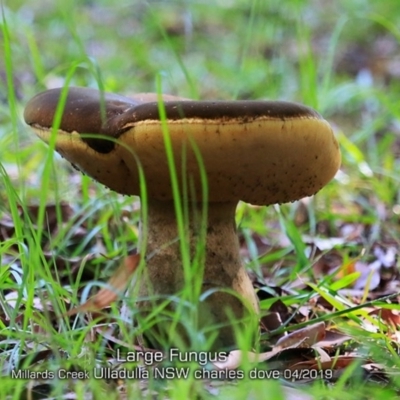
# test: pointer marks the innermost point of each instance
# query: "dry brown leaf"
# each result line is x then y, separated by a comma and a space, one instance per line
304, 338
333, 339
116, 284
392, 317
271, 321
335, 363
323, 356
326, 263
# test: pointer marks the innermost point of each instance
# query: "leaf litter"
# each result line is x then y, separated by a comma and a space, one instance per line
293, 344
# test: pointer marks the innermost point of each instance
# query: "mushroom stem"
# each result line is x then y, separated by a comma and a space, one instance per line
165, 274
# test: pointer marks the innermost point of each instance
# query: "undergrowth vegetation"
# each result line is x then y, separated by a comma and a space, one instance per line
330, 259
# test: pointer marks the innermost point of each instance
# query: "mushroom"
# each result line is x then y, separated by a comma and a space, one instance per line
259, 152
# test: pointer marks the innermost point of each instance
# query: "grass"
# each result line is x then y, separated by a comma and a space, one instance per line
228, 49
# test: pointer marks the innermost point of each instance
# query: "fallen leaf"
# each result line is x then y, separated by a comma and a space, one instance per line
370, 276
388, 257
333, 339
338, 362
305, 337
302, 338
116, 284
392, 317
271, 321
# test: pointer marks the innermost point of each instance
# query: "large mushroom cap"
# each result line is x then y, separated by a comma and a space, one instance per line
261, 152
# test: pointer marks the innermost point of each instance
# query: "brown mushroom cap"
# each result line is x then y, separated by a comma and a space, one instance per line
261, 152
